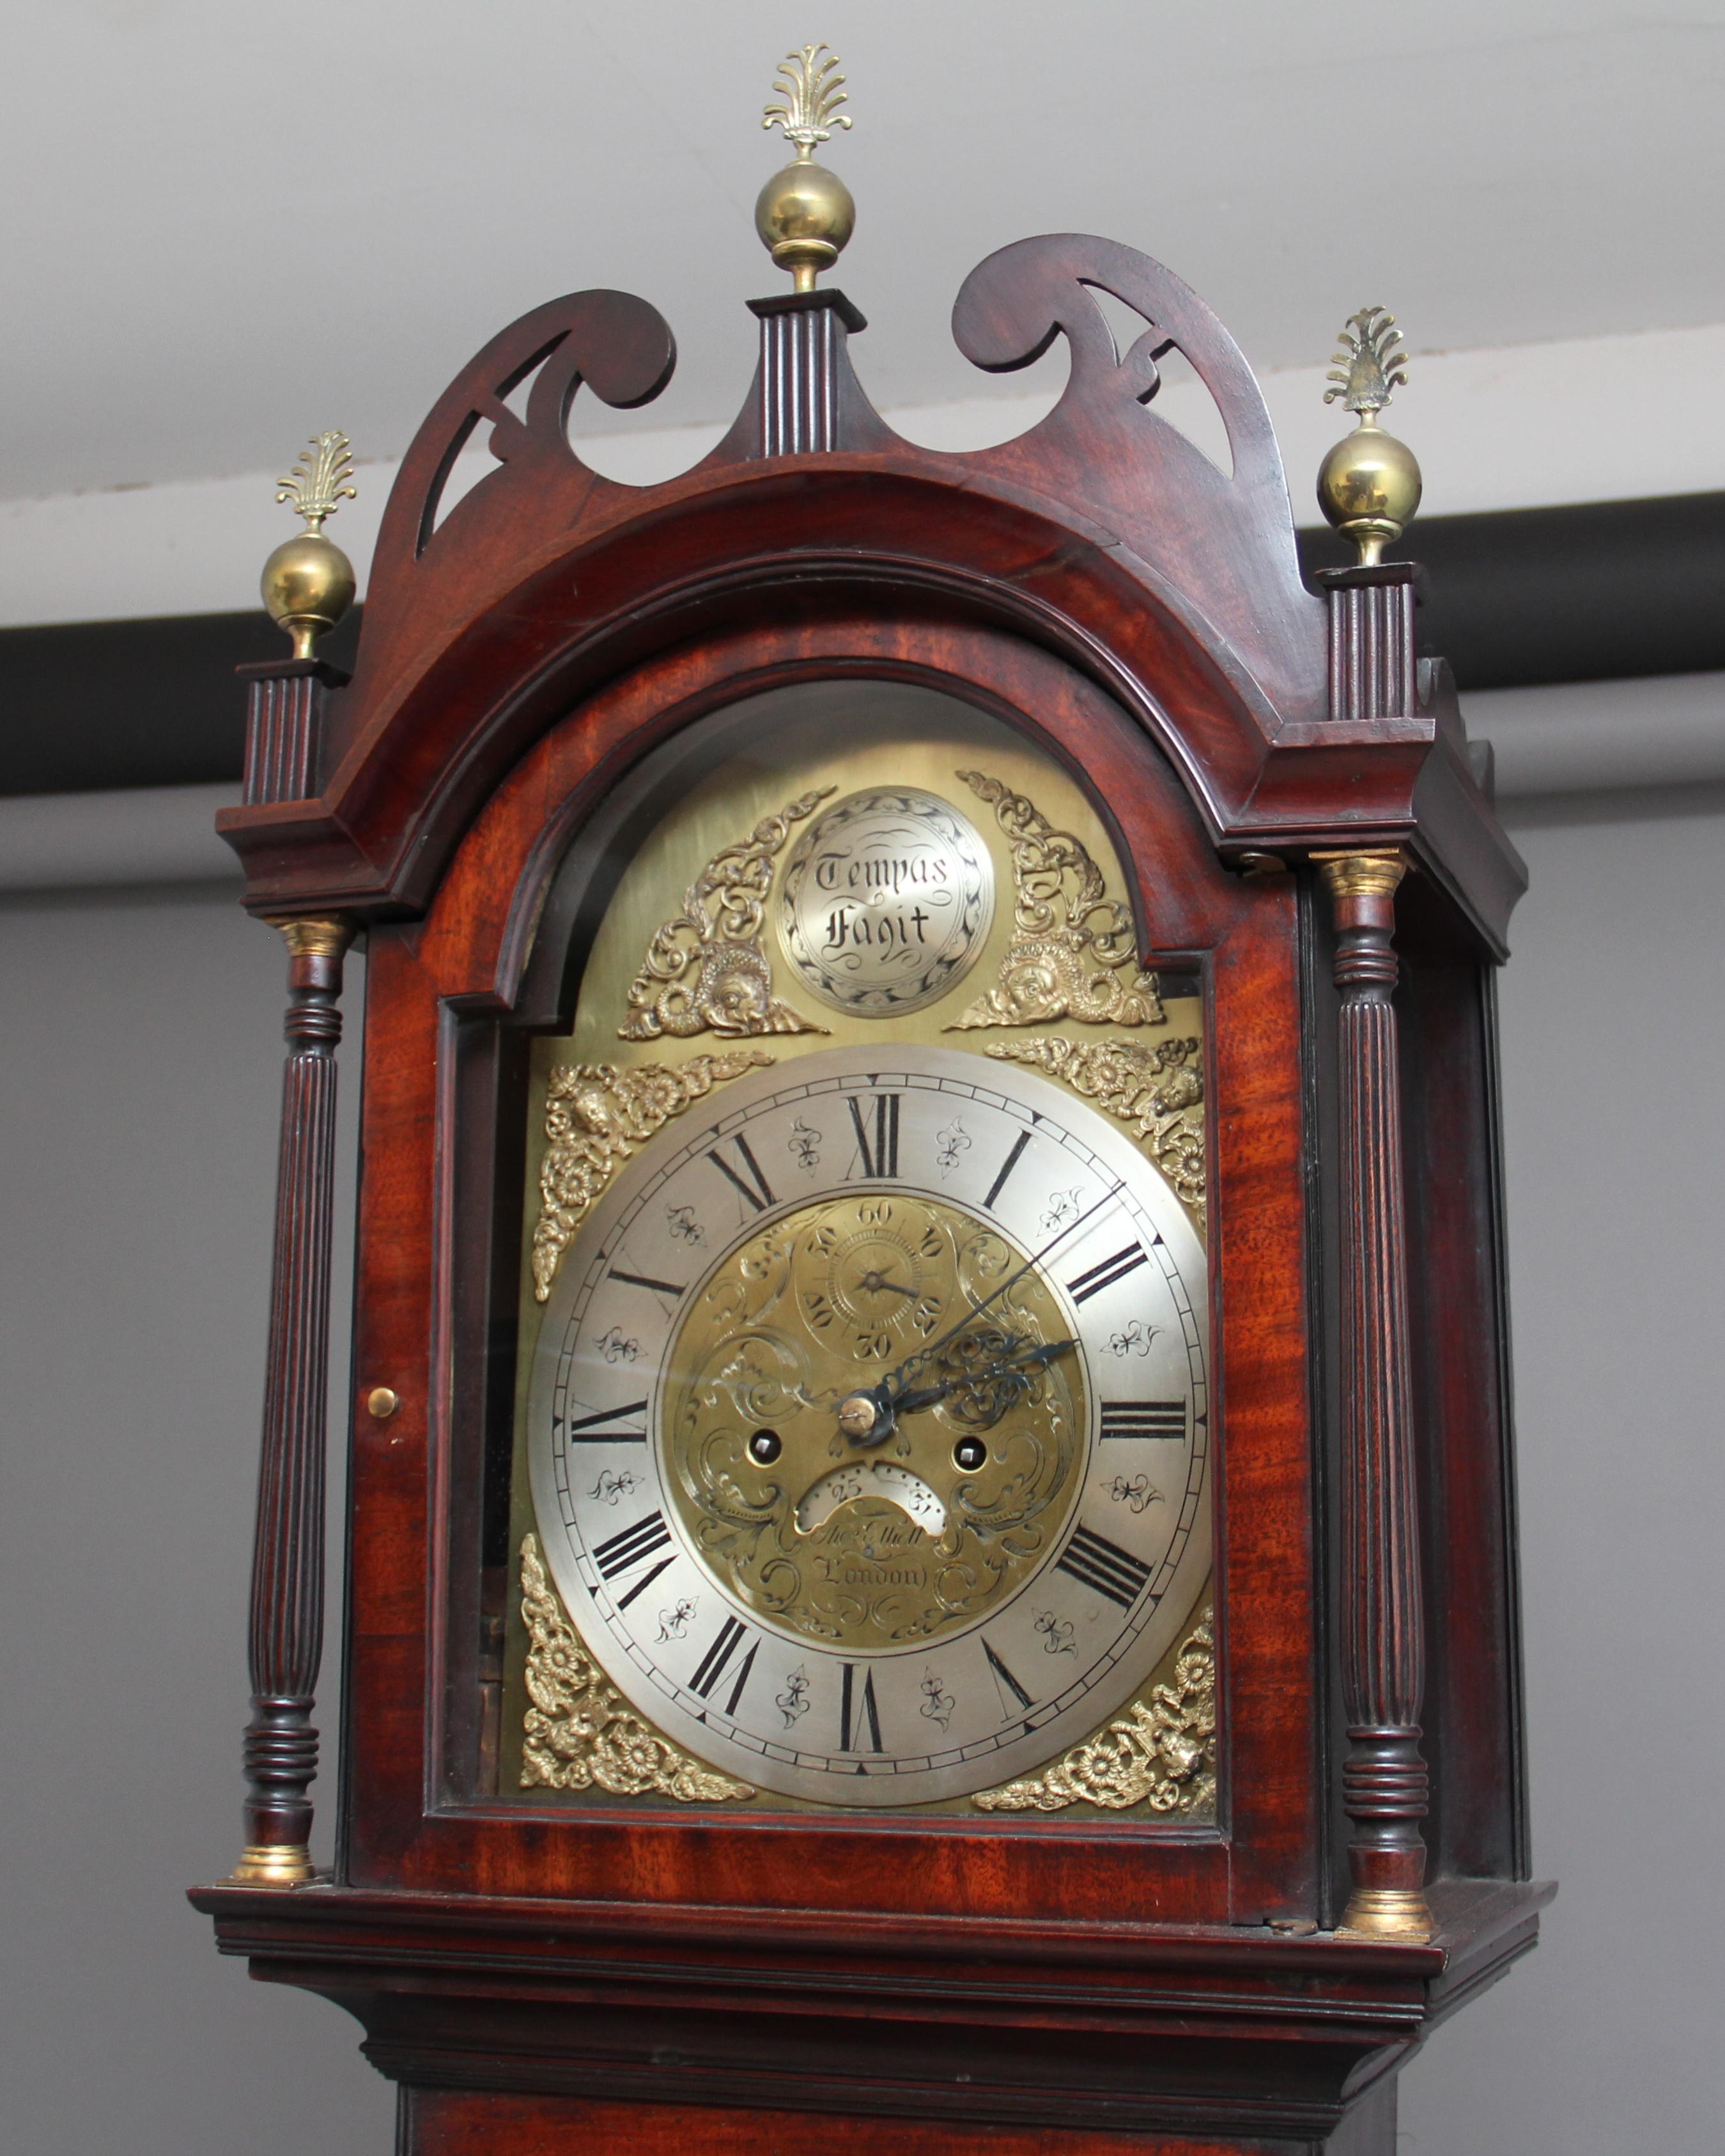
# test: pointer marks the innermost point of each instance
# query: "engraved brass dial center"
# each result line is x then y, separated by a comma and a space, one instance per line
904, 1544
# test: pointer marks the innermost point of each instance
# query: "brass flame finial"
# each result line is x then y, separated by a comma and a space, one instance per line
1371, 365
1369, 486
318, 484
308, 582
812, 90
805, 214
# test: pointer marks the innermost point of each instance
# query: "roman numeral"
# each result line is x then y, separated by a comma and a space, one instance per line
1011, 1162
1107, 1273
641, 1280
1143, 1418
632, 1545
879, 1154
1006, 1680
756, 1188
1099, 1564
713, 1661
586, 1430
850, 1724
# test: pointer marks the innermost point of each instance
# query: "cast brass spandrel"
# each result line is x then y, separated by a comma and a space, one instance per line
1156, 1091
1074, 954
705, 970
1161, 1753
580, 1734
596, 1116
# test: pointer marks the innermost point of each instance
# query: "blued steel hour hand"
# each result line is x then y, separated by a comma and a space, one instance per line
867, 1417
1018, 1364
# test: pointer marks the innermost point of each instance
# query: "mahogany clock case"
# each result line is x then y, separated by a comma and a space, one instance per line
451, 1006
542, 664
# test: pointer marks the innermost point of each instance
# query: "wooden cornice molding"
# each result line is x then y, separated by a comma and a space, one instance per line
1605, 591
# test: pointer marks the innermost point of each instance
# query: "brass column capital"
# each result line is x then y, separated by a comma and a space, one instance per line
314, 935
1375, 873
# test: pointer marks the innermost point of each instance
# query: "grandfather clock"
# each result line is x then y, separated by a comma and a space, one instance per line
931, 1551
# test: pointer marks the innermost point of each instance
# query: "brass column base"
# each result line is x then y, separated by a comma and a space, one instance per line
1387, 1912
268, 1864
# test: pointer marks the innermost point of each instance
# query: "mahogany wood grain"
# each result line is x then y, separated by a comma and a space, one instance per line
284, 714
1372, 671
440, 2123
1102, 533
285, 1643
1383, 1777
1225, 2034
807, 396
1472, 1716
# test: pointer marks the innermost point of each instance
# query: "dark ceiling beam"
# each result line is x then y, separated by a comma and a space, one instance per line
1604, 591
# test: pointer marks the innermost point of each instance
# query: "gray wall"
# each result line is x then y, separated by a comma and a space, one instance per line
139, 1083
137, 1110
1608, 2039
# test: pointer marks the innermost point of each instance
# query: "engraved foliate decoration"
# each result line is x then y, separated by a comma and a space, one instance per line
1161, 1752
887, 901
871, 1552
595, 1116
704, 971
579, 1733
1073, 954
1156, 1091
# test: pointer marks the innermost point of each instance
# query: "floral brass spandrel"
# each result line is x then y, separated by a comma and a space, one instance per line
1161, 1752
580, 1733
595, 1117
1073, 954
705, 970
1156, 1091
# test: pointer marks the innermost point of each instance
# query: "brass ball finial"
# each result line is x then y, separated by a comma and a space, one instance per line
308, 582
805, 214
1368, 485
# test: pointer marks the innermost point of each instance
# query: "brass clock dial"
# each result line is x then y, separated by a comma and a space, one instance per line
869, 1425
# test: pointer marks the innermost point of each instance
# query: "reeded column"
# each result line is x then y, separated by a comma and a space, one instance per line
1372, 663
286, 1642
804, 370
1383, 1778
286, 704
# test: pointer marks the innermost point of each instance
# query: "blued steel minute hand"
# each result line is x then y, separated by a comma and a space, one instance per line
866, 1415
915, 1362
1026, 1358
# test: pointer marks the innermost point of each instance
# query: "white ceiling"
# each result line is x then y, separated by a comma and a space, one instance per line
230, 225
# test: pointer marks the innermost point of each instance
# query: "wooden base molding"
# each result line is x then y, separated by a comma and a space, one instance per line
437, 2122
558, 2027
